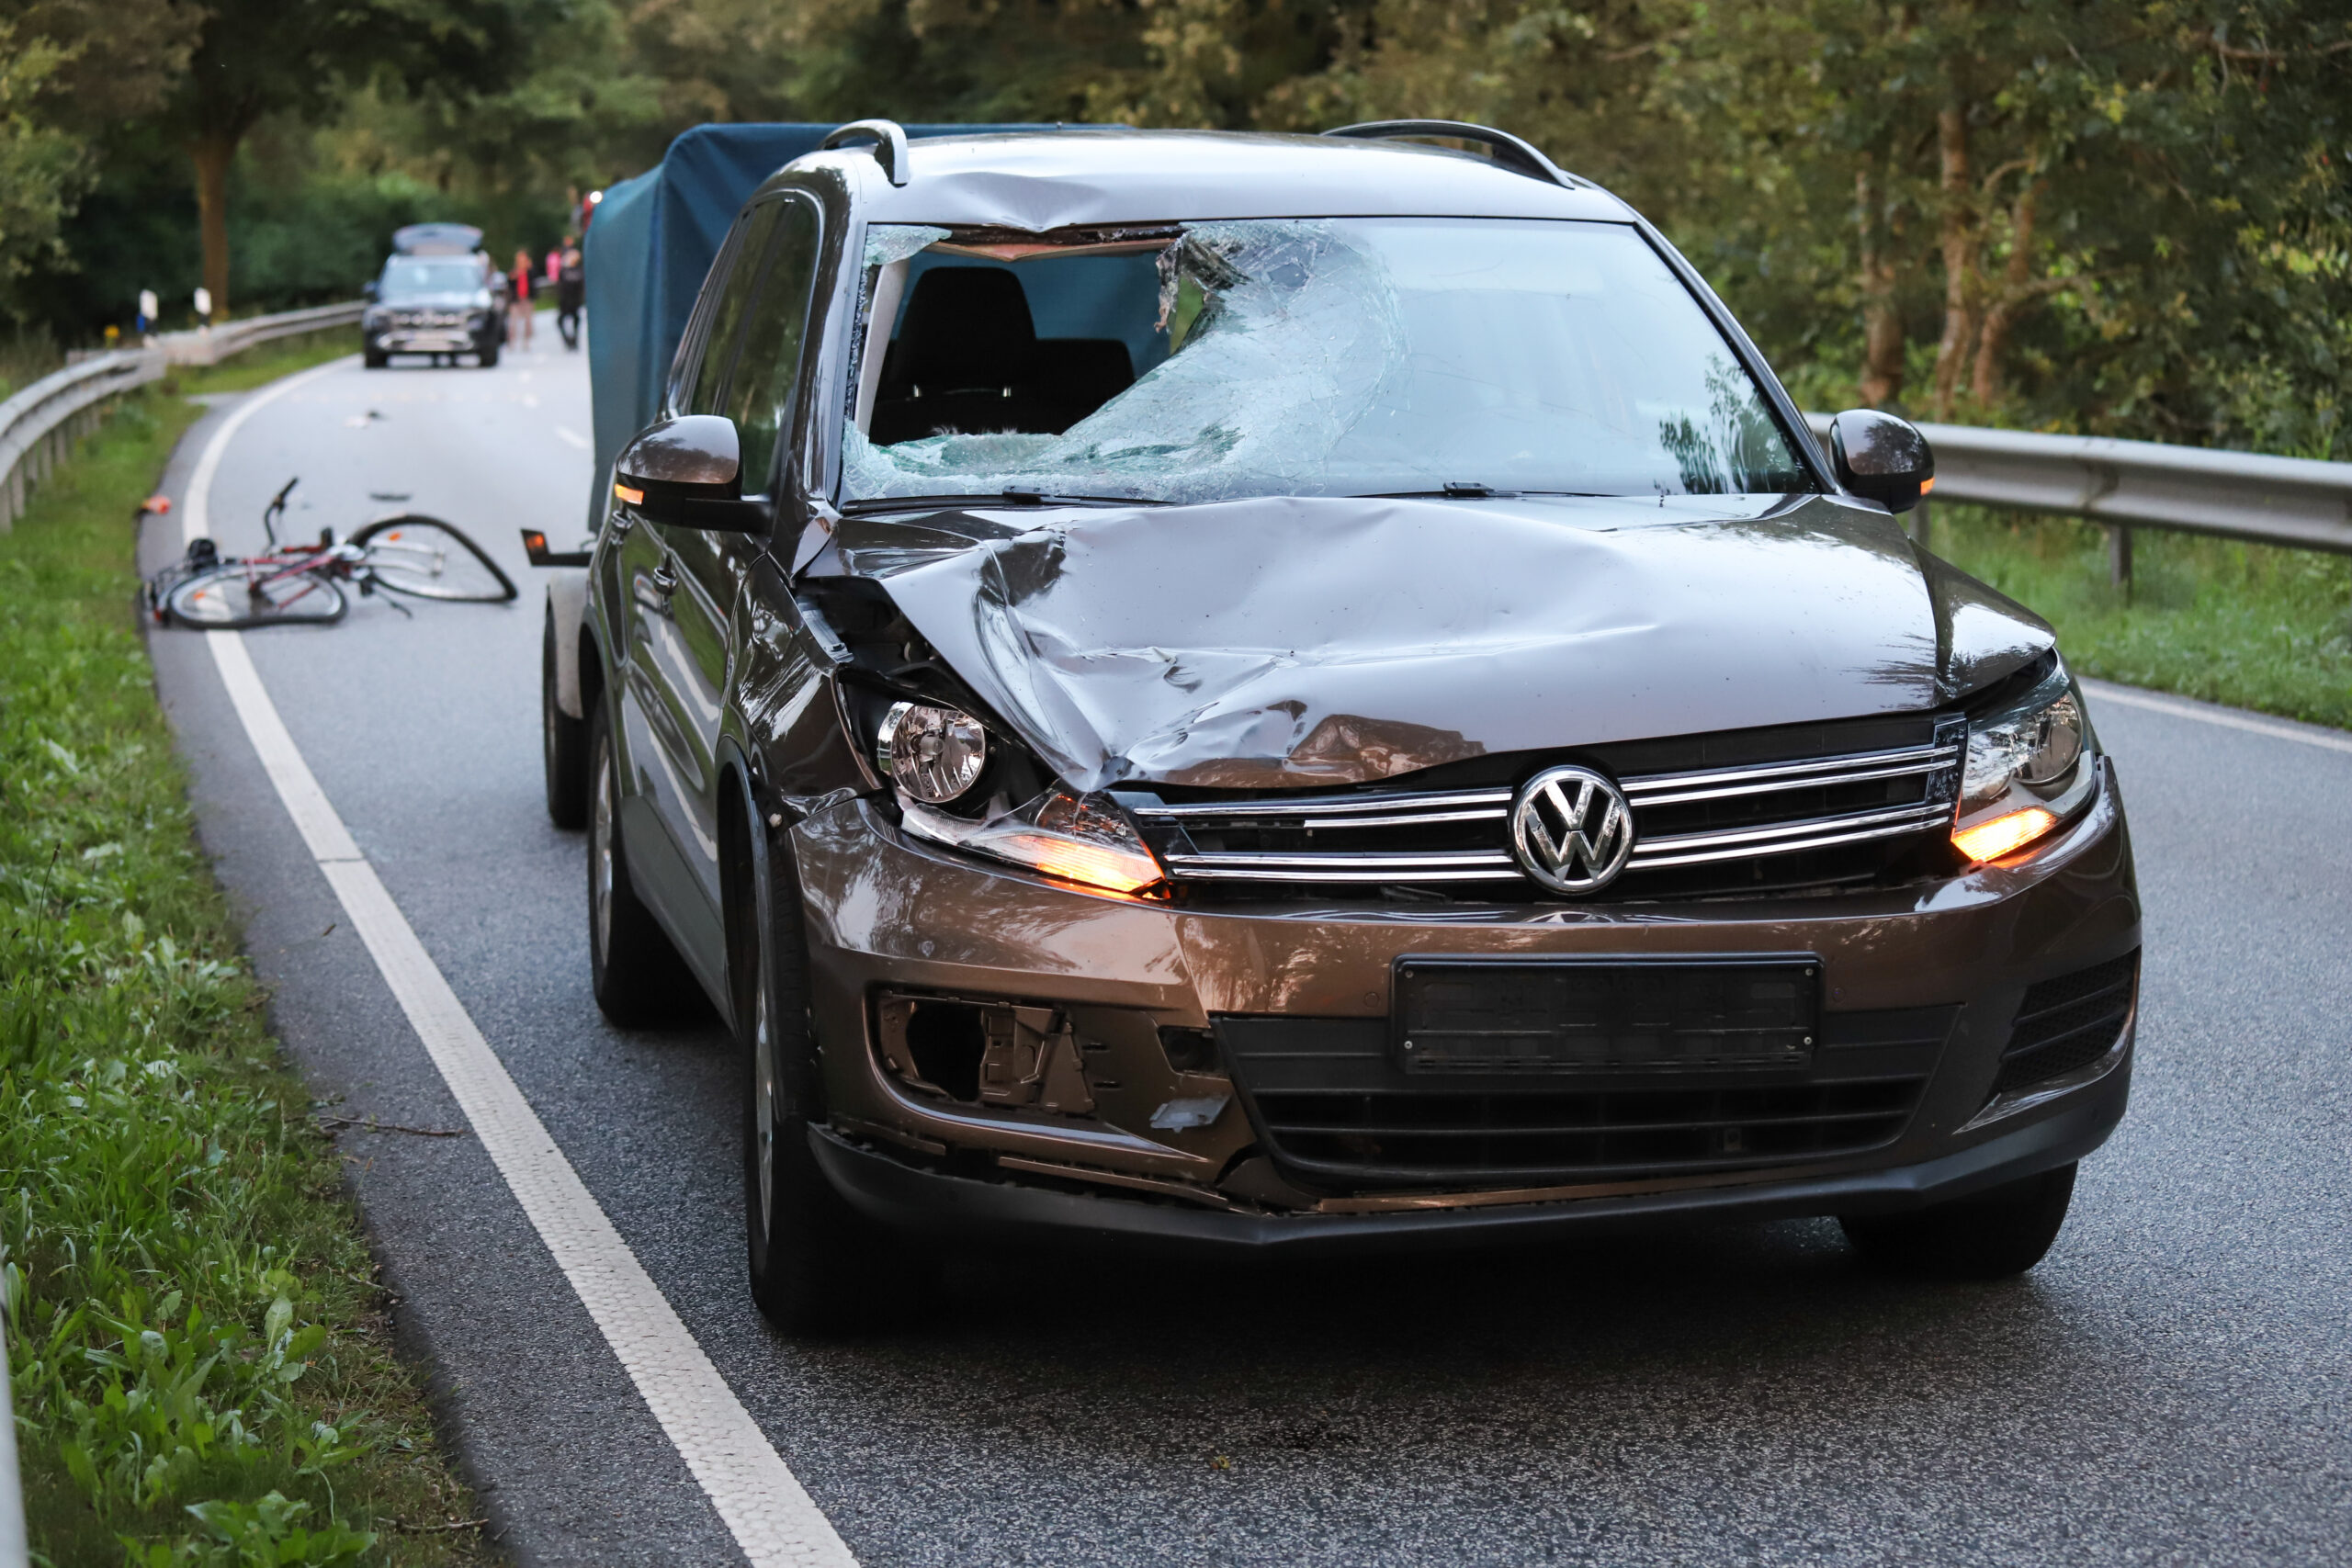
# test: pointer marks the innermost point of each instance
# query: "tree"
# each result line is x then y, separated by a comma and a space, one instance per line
2107, 214
299, 57
39, 166
69, 68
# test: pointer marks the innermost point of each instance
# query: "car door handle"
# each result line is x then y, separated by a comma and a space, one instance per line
665, 582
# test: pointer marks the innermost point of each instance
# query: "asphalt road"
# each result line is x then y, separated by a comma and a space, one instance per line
2173, 1385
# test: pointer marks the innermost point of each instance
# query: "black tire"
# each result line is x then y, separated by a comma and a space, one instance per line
427, 558
1990, 1235
489, 357
370, 359
817, 1267
232, 598
563, 744
638, 976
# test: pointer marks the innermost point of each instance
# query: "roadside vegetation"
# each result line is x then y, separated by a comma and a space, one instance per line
203, 1369
2247, 625
265, 363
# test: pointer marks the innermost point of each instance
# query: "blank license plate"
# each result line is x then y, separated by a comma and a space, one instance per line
1577, 1016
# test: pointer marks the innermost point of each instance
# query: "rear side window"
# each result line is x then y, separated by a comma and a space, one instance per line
760, 392
708, 389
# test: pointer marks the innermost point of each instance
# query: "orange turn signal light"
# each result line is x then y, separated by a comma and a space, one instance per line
1927, 484
1091, 866
634, 497
1991, 840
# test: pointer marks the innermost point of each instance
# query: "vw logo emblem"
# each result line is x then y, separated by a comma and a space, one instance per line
1570, 829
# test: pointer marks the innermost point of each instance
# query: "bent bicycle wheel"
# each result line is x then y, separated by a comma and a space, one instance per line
427, 558
232, 597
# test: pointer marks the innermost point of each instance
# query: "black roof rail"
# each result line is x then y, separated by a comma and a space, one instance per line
1506, 149
889, 144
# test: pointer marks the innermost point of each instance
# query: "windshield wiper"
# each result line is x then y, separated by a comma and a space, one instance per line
1000, 498
1468, 492
1454, 489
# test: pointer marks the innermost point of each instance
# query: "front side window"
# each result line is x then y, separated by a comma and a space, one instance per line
705, 392
767, 370
1324, 356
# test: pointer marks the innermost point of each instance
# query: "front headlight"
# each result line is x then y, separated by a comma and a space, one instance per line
1088, 842
2029, 769
931, 752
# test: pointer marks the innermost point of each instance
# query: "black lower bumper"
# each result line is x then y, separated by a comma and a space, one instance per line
907, 1198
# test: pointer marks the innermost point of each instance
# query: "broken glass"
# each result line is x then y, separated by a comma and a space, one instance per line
1351, 356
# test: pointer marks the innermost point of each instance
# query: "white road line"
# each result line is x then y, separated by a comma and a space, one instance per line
571, 437
773, 1519
2131, 697
195, 512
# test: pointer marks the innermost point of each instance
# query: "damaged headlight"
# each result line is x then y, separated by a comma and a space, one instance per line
1088, 842
2029, 769
933, 754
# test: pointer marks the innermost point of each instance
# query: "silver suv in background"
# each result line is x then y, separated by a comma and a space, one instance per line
438, 294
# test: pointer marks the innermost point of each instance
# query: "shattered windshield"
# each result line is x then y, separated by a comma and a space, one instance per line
1326, 356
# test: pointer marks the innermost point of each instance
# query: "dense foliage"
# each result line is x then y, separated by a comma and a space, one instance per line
2127, 216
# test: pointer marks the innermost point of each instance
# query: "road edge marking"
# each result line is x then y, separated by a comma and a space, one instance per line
2228, 719
760, 1502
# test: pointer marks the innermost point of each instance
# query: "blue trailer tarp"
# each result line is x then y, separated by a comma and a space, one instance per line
649, 248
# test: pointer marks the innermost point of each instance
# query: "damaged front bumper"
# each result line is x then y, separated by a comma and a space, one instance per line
922, 1199
1001, 1050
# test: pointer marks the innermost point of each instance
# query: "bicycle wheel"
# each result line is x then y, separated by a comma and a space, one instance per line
241, 594
427, 558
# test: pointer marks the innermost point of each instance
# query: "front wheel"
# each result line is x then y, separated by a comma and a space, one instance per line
817, 1265
427, 558
243, 594
1989, 1236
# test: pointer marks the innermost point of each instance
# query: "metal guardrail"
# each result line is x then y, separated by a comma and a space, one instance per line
209, 346
2239, 495
13, 1546
41, 423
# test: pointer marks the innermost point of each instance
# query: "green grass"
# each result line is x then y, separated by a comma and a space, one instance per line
266, 362
2247, 625
203, 1369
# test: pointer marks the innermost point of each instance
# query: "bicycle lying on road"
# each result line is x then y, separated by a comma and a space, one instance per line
303, 584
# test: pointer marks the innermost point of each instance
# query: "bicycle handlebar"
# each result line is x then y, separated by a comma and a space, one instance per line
276, 510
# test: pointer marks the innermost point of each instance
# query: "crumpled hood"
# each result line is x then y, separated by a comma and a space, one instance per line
1294, 642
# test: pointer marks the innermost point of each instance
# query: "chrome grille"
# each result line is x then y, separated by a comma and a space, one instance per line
1693, 818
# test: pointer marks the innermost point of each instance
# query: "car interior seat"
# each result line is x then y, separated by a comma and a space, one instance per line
968, 359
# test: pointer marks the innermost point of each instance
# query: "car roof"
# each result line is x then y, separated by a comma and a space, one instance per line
1040, 181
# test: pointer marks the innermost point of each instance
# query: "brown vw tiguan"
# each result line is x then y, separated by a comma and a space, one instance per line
1300, 694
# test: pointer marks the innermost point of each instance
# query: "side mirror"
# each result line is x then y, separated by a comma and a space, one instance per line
1881, 459
369, 291
688, 472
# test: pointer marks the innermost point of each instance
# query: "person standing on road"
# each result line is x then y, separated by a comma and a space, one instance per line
518, 310
570, 290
